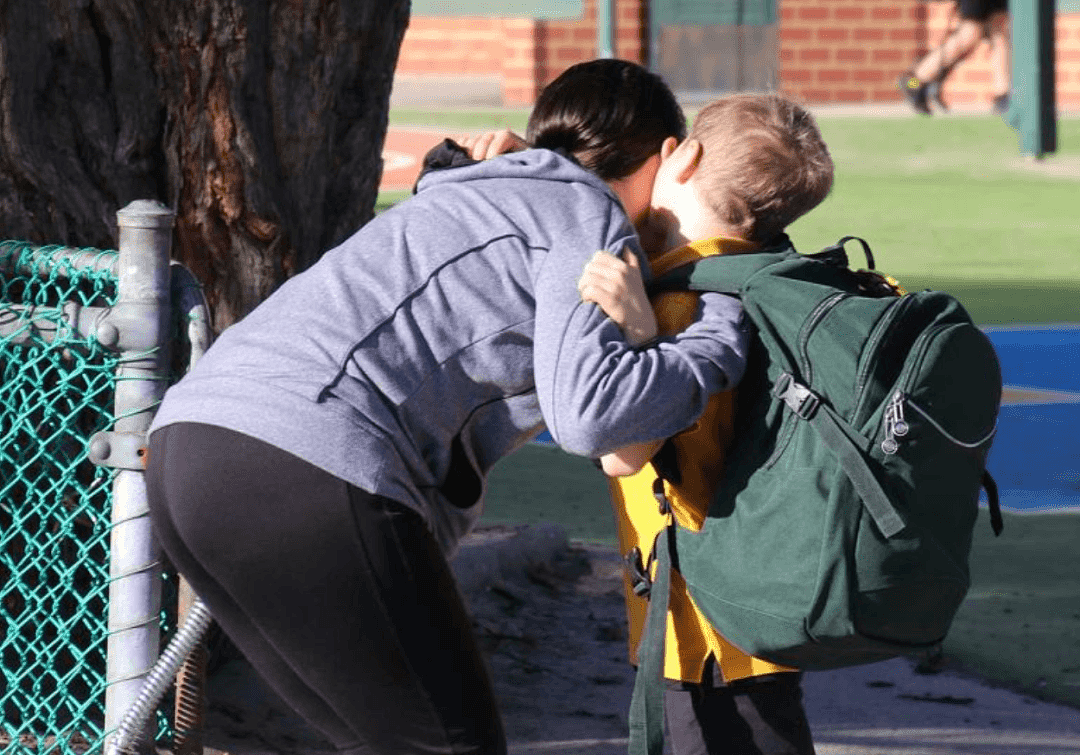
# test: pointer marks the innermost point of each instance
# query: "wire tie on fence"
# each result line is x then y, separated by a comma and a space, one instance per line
140, 515
133, 625
144, 378
136, 412
130, 573
129, 677
129, 358
155, 564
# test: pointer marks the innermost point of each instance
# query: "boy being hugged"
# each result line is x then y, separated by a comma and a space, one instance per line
751, 165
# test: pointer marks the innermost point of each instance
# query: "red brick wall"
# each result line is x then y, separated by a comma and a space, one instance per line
848, 50
525, 54
1067, 47
831, 51
452, 45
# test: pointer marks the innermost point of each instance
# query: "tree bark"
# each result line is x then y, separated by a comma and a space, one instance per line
260, 122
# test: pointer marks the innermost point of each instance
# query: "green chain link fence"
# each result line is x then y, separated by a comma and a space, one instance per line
57, 390
59, 377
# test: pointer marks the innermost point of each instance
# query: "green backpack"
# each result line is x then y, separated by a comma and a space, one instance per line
841, 532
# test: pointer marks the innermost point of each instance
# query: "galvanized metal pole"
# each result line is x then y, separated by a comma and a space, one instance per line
190, 704
605, 28
138, 325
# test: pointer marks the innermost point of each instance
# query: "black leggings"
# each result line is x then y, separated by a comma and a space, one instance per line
341, 600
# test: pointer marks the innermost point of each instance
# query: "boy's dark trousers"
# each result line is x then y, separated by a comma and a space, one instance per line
757, 716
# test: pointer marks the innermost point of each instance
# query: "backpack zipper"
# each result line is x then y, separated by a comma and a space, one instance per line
894, 314
823, 308
787, 427
947, 434
895, 425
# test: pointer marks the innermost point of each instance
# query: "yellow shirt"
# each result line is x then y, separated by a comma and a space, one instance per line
701, 450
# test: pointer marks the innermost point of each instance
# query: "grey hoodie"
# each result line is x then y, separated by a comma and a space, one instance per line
447, 332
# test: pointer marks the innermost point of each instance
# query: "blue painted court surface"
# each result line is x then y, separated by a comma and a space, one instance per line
1036, 454
1035, 458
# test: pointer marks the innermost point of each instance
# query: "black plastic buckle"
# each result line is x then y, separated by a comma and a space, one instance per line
800, 399
639, 576
661, 496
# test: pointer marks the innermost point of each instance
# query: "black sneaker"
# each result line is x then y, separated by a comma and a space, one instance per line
1000, 104
915, 92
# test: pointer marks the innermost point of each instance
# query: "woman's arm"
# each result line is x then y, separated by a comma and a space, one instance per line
596, 392
617, 288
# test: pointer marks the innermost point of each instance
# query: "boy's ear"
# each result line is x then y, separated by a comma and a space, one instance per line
687, 157
668, 146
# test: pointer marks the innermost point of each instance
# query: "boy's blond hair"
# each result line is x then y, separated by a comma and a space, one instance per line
764, 164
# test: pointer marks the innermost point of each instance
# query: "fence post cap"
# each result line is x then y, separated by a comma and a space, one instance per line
145, 213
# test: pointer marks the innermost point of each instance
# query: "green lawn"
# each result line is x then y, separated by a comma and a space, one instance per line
949, 203
945, 203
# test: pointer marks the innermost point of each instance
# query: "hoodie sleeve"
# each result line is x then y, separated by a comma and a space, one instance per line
596, 392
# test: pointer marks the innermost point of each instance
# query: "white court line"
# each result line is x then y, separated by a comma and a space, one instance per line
1037, 327
1017, 395
394, 160
568, 745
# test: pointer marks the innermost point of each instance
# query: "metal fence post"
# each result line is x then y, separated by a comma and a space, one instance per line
139, 325
1033, 106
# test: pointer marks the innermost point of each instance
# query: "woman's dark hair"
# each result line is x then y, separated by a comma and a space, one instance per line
611, 115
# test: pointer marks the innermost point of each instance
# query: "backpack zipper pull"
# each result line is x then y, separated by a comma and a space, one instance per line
895, 424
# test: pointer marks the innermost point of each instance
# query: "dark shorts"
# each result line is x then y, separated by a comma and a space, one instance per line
980, 10
341, 600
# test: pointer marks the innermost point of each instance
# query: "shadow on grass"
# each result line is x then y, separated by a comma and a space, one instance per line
1020, 624
1002, 302
543, 484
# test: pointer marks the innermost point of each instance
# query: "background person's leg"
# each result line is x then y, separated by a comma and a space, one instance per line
1000, 60
933, 67
957, 46
339, 599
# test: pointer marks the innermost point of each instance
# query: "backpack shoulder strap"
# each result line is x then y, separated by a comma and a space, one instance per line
725, 274
646, 715
839, 436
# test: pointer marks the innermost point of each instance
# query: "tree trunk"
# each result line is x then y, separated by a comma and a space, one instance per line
260, 122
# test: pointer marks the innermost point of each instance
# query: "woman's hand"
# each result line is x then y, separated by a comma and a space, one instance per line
616, 286
491, 143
